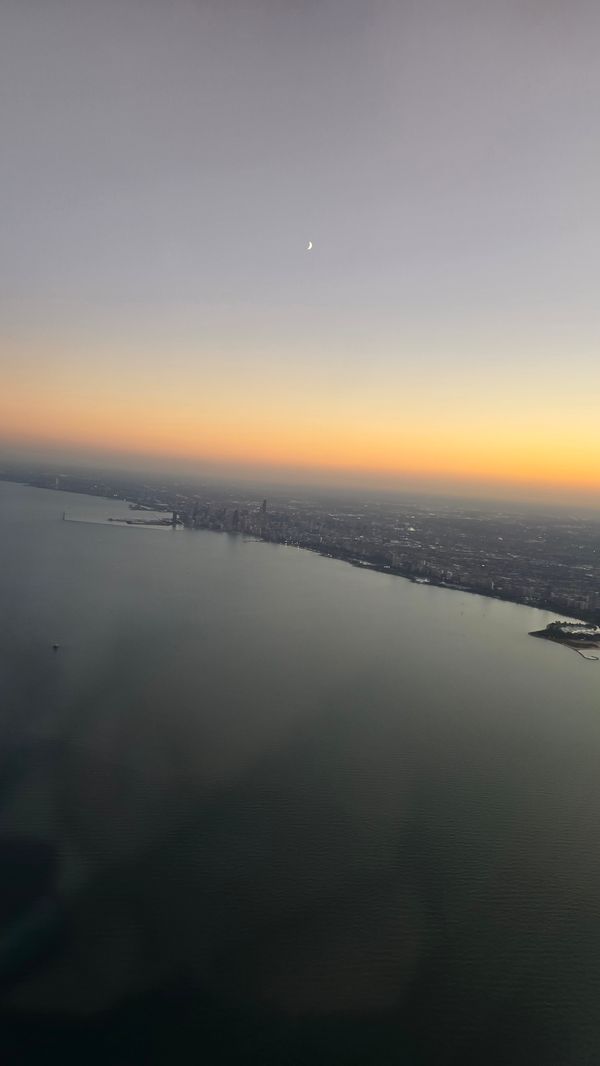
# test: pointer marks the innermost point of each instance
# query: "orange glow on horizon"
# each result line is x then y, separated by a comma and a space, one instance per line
462, 432
468, 454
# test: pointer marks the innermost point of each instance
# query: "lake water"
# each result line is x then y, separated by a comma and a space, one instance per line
300, 812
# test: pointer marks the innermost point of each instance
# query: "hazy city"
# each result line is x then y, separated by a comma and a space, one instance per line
551, 561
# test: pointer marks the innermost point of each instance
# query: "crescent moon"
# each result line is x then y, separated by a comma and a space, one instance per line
309, 246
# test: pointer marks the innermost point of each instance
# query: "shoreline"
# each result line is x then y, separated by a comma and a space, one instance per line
487, 594
358, 563
380, 568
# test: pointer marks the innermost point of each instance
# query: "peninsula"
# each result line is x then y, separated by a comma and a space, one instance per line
575, 635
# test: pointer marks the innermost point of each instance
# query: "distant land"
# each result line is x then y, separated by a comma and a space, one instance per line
540, 559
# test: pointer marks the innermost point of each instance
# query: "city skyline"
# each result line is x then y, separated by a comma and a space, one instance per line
165, 170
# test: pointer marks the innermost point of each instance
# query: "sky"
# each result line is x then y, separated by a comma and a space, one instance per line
164, 166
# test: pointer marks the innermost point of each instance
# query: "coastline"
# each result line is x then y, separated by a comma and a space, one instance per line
433, 583
352, 560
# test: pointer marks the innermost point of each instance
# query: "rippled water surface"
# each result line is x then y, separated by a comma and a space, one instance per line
298, 812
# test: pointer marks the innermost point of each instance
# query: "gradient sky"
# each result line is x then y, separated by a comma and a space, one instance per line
164, 165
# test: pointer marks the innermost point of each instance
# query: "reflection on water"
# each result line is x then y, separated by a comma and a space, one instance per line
263, 807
